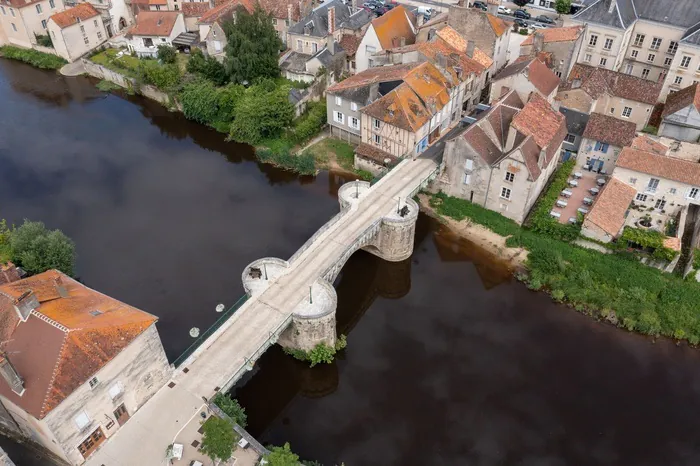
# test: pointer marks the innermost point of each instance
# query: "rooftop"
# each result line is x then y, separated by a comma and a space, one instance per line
350, 43
458, 42
536, 72
610, 130
71, 16
610, 207
225, 11
154, 23
72, 334
670, 168
194, 9
597, 81
316, 23
394, 26
684, 98
566, 34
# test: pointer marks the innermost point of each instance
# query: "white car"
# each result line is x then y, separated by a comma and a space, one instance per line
538, 26
505, 11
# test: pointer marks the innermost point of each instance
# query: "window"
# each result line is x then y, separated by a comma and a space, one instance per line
370, 49
43, 23
338, 100
38, 9
645, 73
510, 176
12, 12
148, 42
95, 23
558, 73
376, 124
651, 57
641, 197
314, 47
86, 40
672, 47
660, 204
629, 69
685, 61
115, 390
14, 28
217, 45
593, 40
612, 110
353, 106
603, 61
602, 147
469, 164
655, 43
467, 178
635, 53
354, 123
505, 193
377, 139
678, 80
99, 35
639, 40
52, 4
82, 29
653, 184
570, 138
626, 112
668, 61
693, 193
672, 190
81, 420
608, 44
633, 180
299, 46
2, 9
338, 117
94, 382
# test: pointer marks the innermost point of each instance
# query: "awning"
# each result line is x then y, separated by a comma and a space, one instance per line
186, 39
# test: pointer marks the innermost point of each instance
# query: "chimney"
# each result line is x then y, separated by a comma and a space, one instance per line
25, 304
330, 44
289, 14
537, 43
613, 3
331, 20
11, 376
492, 6
470, 48
8, 273
431, 34
60, 287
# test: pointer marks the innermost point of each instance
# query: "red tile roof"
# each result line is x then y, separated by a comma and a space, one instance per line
647, 144
608, 212
154, 23
682, 99
662, 166
195, 9
596, 81
401, 108
279, 9
539, 120
556, 35
374, 153
610, 130
373, 75
459, 43
395, 25
350, 43
64, 342
71, 16
497, 24
225, 11
536, 71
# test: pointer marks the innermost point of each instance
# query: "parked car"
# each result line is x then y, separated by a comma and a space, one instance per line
520, 23
544, 19
425, 11
538, 26
479, 4
370, 5
380, 10
521, 14
505, 11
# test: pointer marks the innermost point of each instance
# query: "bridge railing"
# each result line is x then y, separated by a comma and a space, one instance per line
390, 166
208, 332
326, 226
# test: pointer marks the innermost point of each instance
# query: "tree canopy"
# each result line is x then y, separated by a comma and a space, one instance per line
253, 46
521, 3
232, 408
563, 7
282, 456
37, 249
263, 112
217, 439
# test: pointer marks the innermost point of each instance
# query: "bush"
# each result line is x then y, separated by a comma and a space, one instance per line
107, 86
218, 438
207, 67
44, 41
199, 101
321, 353
650, 130
37, 249
263, 112
164, 77
304, 164
282, 456
522, 31
33, 57
167, 54
232, 408
310, 123
647, 239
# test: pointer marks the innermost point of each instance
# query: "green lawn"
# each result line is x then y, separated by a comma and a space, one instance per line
125, 64
330, 149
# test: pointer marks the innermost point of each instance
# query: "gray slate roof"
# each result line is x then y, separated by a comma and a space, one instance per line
681, 13
325, 57
622, 16
692, 35
317, 20
575, 121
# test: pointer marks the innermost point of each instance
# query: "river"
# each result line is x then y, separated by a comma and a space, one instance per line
449, 360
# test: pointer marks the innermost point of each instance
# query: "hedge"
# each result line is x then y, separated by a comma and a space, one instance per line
33, 57
540, 220
647, 239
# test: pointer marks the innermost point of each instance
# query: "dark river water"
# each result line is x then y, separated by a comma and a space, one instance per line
449, 360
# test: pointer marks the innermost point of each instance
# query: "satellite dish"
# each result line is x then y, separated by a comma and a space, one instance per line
194, 332
220, 308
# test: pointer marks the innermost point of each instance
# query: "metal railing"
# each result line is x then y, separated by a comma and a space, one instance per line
208, 332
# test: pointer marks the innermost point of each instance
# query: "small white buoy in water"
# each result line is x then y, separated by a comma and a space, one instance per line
194, 332
219, 308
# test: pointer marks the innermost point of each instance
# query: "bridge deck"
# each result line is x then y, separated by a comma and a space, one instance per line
143, 440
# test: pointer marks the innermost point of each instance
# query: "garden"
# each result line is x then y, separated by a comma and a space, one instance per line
35, 58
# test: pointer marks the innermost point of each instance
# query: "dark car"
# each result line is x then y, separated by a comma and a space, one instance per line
371, 5
544, 19
521, 14
380, 10
481, 5
520, 23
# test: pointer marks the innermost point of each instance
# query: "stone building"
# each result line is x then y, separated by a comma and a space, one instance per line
591, 89
211, 25
681, 116
564, 45
117, 15
575, 126
23, 20
525, 76
75, 364
607, 217
602, 141
503, 161
154, 28
393, 29
76, 31
685, 65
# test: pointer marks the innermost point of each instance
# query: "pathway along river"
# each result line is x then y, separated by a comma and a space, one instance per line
449, 360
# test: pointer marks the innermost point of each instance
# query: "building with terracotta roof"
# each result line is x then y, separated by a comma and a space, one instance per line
589, 89
681, 116
525, 76
603, 139
563, 43
606, 218
74, 364
154, 28
503, 160
395, 28
210, 24
22, 20
77, 31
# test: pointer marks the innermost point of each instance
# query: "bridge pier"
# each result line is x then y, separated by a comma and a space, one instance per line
313, 320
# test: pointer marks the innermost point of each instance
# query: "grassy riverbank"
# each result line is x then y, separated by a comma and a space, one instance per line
32, 57
614, 287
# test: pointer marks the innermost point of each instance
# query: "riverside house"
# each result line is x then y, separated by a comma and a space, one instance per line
76, 31
154, 28
23, 20
74, 364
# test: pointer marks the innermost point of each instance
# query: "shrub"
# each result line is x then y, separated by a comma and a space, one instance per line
44, 41
522, 31
232, 408
38, 249
164, 77
199, 101
650, 130
228, 99
310, 123
107, 86
33, 57
647, 239
282, 456
167, 54
540, 220
263, 112
207, 67
218, 438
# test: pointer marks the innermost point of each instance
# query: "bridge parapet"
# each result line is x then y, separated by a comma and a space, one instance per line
313, 319
259, 274
351, 193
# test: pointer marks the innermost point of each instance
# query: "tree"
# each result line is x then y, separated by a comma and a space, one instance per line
199, 101
263, 112
232, 408
207, 67
164, 77
521, 3
563, 7
217, 439
37, 249
166, 54
282, 456
252, 49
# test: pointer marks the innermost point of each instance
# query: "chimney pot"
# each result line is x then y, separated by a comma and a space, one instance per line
331, 20
613, 3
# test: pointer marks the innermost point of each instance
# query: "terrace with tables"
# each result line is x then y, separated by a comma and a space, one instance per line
578, 196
